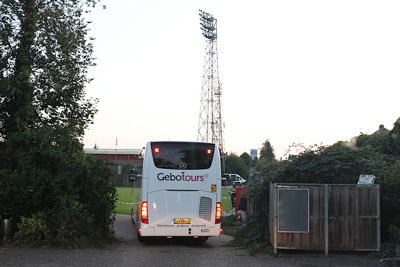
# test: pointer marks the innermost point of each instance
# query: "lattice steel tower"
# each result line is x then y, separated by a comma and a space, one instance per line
210, 119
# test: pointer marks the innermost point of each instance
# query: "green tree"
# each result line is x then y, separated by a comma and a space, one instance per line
377, 141
267, 157
233, 164
245, 157
383, 141
335, 164
389, 180
43, 67
393, 146
267, 151
338, 164
44, 175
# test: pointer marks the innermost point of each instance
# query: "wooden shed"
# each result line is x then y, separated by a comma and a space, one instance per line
324, 217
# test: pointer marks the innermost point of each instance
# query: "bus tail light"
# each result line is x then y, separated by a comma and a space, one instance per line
144, 214
218, 213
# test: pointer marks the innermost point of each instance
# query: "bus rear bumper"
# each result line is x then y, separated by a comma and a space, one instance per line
180, 230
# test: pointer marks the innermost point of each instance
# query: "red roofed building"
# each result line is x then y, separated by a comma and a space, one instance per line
124, 160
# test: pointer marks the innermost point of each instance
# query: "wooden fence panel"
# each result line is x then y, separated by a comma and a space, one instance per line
342, 217
367, 217
353, 218
314, 239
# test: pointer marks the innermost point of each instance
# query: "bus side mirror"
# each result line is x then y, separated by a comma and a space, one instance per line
132, 176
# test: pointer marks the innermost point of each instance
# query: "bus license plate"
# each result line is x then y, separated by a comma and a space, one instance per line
181, 221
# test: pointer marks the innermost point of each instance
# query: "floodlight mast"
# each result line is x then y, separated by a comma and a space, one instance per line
210, 119
208, 25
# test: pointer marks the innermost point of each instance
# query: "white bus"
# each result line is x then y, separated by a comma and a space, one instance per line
180, 191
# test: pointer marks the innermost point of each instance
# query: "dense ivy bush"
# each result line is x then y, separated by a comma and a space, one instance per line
59, 188
255, 232
33, 231
341, 163
393, 142
390, 202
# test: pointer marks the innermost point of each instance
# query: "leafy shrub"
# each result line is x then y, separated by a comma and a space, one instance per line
228, 221
62, 189
334, 164
390, 202
33, 231
254, 233
340, 163
393, 146
230, 225
377, 142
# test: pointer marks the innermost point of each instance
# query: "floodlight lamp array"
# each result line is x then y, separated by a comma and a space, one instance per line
208, 25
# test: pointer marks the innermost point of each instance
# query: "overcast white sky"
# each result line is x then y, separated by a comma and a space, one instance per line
292, 71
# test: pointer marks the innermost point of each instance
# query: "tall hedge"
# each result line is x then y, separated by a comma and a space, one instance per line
62, 189
341, 163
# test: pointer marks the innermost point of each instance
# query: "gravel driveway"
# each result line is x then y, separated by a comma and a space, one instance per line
130, 252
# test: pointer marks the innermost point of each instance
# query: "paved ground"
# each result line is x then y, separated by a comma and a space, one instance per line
130, 252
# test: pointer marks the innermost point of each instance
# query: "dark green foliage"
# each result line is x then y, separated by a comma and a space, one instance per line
267, 156
377, 142
254, 233
393, 146
338, 164
43, 66
67, 191
341, 163
385, 142
267, 151
228, 221
32, 231
233, 164
245, 157
388, 250
230, 225
62, 196
390, 202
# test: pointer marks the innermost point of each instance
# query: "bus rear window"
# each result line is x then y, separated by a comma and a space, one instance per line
182, 155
